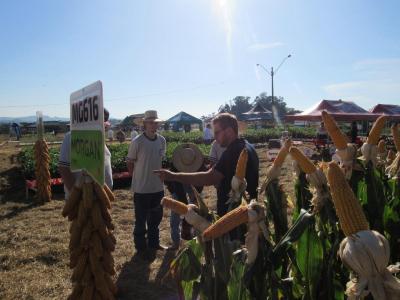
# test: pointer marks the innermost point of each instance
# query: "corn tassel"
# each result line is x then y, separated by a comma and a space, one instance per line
348, 209
283, 152
337, 136
241, 164
227, 222
305, 164
176, 206
375, 132
396, 136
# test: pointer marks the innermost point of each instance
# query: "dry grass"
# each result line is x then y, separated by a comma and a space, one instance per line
34, 244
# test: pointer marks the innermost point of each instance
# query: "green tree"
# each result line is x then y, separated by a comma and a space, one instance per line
237, 106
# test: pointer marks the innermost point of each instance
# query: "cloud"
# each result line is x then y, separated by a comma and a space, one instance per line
263, 46
377, 63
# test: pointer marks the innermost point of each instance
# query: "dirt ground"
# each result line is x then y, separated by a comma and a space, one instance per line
34, 241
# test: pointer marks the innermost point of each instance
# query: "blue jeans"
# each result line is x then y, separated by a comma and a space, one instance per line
175, 219
148, 211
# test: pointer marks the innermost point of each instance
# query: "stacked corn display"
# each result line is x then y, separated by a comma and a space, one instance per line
42, 173
91, 240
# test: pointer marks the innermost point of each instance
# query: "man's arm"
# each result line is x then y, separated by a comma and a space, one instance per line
67, 177
130, 166
211, 177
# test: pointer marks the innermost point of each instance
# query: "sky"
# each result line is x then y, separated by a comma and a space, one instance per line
195, 55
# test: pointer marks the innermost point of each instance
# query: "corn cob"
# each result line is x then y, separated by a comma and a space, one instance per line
82, 213
95, 243
111, 285
337, 136
102, 195
381, 146
87, 194
396, 136
42, 174
348, 208
108, 242
283, 152
80, 267
87, 275
305, 164
75, 237
74, 256
86, 234
88, 292
376, 129
176, 206
227, 222
242, 164
108, 263
109, 192
76, 292
72, 201
391, 155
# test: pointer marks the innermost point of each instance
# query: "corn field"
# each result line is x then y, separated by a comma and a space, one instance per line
342, 241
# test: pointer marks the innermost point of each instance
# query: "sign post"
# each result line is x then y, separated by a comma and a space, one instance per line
87, 131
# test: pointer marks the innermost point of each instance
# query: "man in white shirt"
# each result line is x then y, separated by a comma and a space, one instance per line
64, 161
145, 154
207, 134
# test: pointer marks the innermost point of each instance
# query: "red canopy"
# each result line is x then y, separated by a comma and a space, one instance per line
339, 109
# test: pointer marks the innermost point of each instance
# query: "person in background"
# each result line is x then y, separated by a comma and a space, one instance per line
216, 152
207, 135
134, 133
354, 132
146, 153
64, 162
110, 134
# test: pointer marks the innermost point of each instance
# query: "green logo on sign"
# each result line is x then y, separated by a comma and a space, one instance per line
87, 153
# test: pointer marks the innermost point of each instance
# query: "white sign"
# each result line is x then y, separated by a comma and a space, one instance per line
87, 131
272, 154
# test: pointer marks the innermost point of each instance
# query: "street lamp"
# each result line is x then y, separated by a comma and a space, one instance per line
272, 73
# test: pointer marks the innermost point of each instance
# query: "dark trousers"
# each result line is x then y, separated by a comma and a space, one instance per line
148, 211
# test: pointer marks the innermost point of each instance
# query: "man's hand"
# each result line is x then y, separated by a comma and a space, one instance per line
165, 175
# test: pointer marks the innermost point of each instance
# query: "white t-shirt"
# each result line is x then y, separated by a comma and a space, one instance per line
65, 161
110, 134
216, 151
134, 134
147, 156
207, 135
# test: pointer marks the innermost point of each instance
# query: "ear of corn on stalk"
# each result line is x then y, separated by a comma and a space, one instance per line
381, 146
176, 206
376, 129
305, 164
227, 222
348, 209
338, 138
396, 136
242, 164
283, 152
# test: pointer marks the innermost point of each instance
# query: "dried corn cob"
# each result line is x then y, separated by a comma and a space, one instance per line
227, 222
109, 192
396, 136
375, 132
348, 208
87, 194
80, 267
337, 136
242, 164
96, 244
391, 155
102, 195
381, 146
305, 164
42, 174
283, 152
88, 292
176, 206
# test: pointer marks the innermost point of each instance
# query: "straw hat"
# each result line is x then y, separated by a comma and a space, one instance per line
187, 158
149, 115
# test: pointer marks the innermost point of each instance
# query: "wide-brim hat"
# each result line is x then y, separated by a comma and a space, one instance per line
187, 158
149, 115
